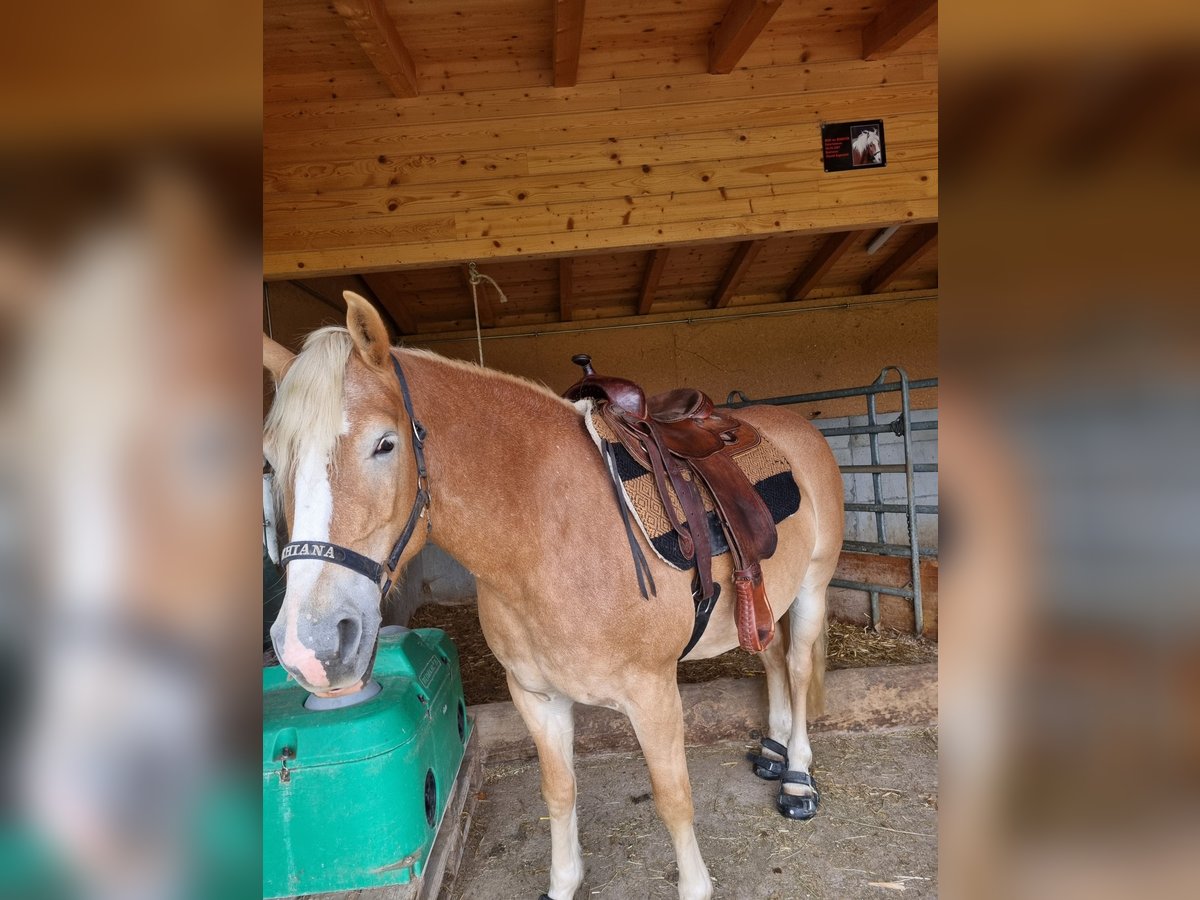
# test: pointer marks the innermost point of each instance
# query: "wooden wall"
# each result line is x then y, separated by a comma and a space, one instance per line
492, 161
807, 350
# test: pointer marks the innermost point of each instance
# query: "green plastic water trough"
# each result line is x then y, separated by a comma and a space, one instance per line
353, 796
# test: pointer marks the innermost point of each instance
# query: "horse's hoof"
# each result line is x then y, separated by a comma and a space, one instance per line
799, 807
765, 767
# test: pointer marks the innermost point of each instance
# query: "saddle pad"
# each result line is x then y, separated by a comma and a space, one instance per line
763, 465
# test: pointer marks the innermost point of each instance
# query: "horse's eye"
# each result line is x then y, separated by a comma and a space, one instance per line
385, 446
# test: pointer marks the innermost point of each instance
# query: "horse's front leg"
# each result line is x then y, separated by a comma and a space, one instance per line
657, 717
551, 720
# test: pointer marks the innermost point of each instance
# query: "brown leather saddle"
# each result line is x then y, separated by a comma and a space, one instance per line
680, 438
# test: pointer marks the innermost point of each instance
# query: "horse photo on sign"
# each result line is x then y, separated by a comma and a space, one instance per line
853, 145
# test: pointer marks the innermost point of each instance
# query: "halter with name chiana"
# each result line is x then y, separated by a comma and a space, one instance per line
356, 562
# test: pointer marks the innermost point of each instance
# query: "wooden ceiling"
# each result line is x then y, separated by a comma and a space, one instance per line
805, 268
597, 159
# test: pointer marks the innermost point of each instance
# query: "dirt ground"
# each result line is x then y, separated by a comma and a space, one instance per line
875, 836
850, 646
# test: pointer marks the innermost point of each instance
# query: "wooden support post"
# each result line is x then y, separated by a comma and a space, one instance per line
654, 270
899, 262
391, 299
566, 287
810, 276
898, 23
744, 20
371, 25
738, 267
568, 36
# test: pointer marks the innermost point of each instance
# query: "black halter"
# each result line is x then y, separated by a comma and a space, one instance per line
356, 562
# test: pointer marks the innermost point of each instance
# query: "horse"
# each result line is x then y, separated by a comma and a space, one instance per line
866, 148
369, 441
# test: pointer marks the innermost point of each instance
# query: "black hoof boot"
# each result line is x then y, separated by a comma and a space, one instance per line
798, 806
765, 767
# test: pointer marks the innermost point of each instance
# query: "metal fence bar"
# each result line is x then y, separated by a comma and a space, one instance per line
874, 589
911, 492
894, 469
876, 429
922, 508
876, 491
902, 427
879, 548
866, 390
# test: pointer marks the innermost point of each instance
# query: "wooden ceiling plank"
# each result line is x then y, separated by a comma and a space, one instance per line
899, 262
372, 27
810, 276
566, 288
898, 23
743, 22
406, 322
568, 37
738, 267
654, 270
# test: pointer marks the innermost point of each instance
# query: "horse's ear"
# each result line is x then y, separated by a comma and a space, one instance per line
276, 358
367, 330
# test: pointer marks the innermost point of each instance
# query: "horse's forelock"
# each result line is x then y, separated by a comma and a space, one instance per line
307, 413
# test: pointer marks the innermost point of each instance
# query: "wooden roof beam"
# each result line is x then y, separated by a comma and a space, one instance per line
810, 276
898, 23
902, 260
738, 267
742, 23
568, 37
566, 288
654, 270
372, 27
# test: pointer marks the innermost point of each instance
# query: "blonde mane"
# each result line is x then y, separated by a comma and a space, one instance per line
308, 403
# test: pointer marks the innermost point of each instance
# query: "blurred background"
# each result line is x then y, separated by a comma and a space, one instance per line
1070, 341
129, 444
130, 418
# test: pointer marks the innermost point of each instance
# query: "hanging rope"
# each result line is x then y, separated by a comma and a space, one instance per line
475, 276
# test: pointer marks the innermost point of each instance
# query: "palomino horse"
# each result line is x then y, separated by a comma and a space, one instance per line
518, 493
866, 148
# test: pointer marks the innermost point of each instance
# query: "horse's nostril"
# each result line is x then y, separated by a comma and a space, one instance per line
348, 632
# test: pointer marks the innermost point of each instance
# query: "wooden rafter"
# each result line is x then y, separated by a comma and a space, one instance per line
380, 286
738, 267
744, 20
568, 37
898, 23
374, 30
834, 247
654, 270
902, 260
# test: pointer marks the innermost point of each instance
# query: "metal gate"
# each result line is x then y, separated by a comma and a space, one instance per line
903, 427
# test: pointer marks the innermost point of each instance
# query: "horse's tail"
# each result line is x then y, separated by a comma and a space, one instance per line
815, 705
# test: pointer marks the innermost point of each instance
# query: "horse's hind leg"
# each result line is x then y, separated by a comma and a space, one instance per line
806, 668
551, 721
657, 717
779, 691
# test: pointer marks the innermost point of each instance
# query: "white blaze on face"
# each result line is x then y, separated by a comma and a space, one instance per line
314, 511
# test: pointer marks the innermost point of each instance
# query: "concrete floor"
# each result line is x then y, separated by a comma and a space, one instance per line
875, 836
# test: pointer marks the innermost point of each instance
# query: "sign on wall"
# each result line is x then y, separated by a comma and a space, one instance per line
853, 145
